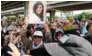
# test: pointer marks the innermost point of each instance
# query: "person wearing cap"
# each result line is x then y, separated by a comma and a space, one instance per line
37, 40
71, 45
68, 45
58, 34
38, 45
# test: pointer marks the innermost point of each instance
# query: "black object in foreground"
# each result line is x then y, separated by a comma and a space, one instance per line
38, 52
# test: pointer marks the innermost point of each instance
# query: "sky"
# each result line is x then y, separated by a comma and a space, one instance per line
80, 11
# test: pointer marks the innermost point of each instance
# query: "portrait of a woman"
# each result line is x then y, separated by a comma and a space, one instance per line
38, 9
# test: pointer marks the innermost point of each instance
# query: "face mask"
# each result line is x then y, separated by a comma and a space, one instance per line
64, 39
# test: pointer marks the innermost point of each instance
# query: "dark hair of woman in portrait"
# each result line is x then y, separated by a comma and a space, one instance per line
38, 9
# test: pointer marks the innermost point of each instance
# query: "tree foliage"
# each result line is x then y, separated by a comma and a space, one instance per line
85, 15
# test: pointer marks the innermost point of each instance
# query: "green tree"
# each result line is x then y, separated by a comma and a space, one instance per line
86, 15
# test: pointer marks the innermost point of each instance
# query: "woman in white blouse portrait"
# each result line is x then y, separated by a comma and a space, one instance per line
38, 12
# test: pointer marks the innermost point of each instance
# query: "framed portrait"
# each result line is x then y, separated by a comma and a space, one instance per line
36, 12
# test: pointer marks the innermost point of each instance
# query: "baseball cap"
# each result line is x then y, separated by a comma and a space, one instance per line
37, 33
59, 30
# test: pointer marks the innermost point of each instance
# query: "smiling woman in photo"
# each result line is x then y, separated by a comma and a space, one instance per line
38, 9
36, 12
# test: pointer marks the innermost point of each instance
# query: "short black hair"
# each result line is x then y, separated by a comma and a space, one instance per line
88, 26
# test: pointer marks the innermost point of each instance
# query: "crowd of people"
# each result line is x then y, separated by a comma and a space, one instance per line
35, 39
